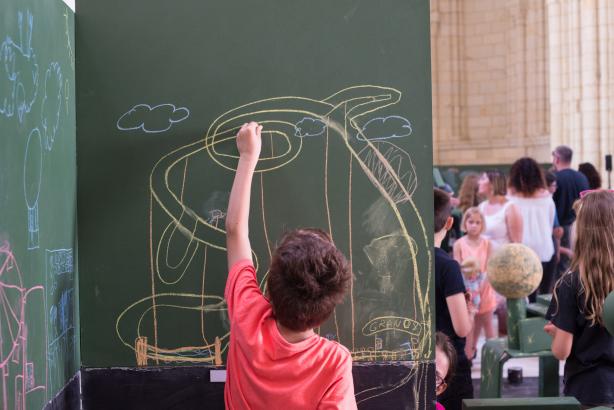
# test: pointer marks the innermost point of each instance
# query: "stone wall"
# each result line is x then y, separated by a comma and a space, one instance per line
518, 77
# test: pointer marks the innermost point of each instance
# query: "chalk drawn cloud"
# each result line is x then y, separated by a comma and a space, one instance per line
309, 127
383, 128
152, 120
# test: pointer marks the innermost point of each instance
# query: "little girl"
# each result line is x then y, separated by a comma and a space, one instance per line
576, 311
472, 252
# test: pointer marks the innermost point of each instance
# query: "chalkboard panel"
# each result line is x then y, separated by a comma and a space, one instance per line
38, 346
343, 91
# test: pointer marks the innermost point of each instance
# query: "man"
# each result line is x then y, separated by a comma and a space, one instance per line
569, 185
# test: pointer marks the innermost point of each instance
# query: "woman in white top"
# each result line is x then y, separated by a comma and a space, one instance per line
527, 190
503, 219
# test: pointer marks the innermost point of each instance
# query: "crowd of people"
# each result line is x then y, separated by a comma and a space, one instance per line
567, 220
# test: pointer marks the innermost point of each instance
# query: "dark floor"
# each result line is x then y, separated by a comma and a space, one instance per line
528, 388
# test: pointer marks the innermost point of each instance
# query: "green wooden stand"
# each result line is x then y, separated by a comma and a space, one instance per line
526, 338
516, 311
494, 355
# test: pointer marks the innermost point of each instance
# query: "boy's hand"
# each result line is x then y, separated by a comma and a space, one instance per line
249, 140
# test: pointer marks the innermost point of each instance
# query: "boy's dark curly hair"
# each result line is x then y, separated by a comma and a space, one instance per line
526, 177
308, 277
442, 209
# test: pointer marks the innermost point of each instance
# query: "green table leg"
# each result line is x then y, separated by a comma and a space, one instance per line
548, 377
493, 357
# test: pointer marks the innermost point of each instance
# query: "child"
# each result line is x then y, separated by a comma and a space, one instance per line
445, 364
275, 359
576, 322
451, 312
472, 252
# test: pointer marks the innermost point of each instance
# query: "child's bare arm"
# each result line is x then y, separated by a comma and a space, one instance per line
456, 251
237, 218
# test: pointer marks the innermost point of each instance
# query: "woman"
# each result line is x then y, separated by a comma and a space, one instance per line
468, 193
591, 173
503, 225
503, 219
528, 192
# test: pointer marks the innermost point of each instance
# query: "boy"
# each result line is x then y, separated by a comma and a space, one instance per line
275, 359
451, 316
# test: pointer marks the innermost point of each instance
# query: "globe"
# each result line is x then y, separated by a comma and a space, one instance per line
514, 271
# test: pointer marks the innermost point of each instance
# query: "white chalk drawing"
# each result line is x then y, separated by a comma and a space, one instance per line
309, 127
59, 268
148, 119
71, 55
32, 177
58, 261
52, 104
18, 85
380, 128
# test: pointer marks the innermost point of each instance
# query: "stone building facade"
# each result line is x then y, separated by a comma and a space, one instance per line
519, 77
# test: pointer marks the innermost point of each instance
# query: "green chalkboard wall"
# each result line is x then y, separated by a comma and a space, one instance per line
343, 91
38, 315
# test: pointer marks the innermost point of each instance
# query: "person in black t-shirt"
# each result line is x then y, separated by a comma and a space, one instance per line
576, 311
569, 184
451, 312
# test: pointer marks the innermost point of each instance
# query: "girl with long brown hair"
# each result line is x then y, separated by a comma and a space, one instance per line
576, 310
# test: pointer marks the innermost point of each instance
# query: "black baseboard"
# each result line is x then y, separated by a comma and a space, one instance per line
69, 398
390, 385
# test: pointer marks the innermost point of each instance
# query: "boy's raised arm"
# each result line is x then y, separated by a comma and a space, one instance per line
237, 218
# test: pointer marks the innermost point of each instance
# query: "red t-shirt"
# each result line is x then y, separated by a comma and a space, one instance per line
265, 371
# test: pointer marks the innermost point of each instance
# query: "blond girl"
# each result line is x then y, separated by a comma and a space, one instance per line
472, 252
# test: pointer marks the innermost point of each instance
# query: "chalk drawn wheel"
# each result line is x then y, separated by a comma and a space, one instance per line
12, 298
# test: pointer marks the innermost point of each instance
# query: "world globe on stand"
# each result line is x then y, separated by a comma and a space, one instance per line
514, 271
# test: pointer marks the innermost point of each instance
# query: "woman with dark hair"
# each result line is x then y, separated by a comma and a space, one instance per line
591, 173
528, 191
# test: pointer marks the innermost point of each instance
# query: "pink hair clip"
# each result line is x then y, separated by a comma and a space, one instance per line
588, 191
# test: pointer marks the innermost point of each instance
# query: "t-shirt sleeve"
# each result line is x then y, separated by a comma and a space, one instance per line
453, 279
242, 289
340, 395
563, 308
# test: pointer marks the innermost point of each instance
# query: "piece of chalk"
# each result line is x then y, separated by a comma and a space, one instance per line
217, 376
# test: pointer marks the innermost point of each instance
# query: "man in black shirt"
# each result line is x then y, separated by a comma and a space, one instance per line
569, 185
451, 313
